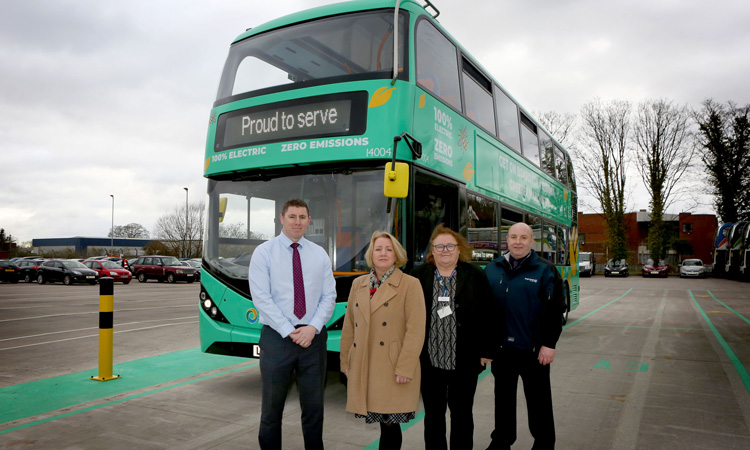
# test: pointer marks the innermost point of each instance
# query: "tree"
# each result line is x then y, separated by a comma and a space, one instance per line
682, 247
562, 127
181, 238
6, 241
663, 152
604, 141
131, 230
157, 248
724, 142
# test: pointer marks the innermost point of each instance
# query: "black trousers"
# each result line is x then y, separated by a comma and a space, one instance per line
279, 359
511, 364
452, 389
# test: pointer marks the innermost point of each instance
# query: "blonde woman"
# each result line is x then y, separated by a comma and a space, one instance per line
381, 340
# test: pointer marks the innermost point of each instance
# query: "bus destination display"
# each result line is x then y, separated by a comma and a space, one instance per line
312, 118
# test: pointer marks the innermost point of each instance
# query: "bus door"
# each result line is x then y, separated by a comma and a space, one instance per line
436, 201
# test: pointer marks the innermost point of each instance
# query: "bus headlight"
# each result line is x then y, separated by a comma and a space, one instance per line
210, 308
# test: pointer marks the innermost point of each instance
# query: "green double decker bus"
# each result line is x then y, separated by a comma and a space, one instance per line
344, 104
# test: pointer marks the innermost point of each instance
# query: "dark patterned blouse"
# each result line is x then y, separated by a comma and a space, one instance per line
441, 344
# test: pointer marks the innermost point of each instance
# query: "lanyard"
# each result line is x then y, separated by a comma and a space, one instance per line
444, 285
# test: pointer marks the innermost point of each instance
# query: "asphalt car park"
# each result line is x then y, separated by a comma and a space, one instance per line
641, 364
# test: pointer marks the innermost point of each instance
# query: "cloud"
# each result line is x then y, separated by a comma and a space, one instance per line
103, 98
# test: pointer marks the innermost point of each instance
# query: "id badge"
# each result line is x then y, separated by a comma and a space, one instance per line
445, 312
444, 299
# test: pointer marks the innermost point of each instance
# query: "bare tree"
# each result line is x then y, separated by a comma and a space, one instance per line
602, 156
724, 140
664, 152
562, 127
182, 238
131, 230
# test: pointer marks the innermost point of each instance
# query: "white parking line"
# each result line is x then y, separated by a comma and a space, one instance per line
96, 335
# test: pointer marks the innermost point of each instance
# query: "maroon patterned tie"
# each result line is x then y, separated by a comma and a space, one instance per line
299, 284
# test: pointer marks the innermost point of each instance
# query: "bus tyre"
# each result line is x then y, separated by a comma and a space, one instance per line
40, 279
142, 277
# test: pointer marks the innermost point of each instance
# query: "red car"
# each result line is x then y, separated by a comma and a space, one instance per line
655, 269
110, 269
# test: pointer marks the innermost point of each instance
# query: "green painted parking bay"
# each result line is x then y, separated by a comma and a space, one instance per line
43, 396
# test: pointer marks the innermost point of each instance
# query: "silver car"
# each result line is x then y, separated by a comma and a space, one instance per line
692, 268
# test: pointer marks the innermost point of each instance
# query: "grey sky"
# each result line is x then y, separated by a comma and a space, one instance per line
100, 98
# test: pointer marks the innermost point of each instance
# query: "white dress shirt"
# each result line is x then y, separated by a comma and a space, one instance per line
272, 285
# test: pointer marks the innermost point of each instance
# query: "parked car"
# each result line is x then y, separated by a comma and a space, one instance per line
162, 268
692, 268
29, 268
655, 269
616, 268
194, 264
68, 271
9, 271
586, 264
106, 268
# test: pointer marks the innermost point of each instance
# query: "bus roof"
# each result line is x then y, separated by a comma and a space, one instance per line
364, 5
324, 11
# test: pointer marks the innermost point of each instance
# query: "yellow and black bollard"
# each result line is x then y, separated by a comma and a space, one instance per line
106, 323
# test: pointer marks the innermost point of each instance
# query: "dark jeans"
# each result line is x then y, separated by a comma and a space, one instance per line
510, 364
452, 389
279, 359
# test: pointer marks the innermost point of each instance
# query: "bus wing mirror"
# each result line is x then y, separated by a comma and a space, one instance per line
396, 182
222, 208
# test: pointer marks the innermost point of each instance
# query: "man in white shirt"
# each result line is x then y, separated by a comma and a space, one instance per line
292, 286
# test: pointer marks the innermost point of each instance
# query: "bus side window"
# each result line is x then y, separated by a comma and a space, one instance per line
507, 120
508, 218
429, 81
550, 244
530, 141
437, 64
478, 97
548, 155
482, 230
535, 223
562, 240
561, 165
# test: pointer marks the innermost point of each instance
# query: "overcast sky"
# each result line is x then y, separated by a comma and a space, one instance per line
101, 98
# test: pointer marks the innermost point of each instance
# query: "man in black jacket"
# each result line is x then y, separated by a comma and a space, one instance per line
529, 289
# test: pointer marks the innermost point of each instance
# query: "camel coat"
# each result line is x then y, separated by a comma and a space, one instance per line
382, 337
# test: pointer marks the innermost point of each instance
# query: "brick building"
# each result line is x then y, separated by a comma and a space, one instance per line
699, 230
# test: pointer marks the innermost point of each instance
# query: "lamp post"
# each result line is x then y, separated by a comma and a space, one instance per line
112, 232
187, 255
